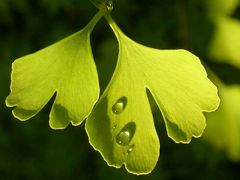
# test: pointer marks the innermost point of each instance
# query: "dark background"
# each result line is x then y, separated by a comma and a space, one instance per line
31, 150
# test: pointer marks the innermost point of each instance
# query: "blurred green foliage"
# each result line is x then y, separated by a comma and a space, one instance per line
31, 150
223, 128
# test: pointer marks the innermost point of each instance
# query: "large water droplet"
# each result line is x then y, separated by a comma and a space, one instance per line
120, 105
126, 134
123, 138
118, 108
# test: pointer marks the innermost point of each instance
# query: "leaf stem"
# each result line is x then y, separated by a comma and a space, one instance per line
89, 27
117, 31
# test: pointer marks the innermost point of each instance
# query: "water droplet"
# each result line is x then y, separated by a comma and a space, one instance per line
109, 5
120, 105
114, 126
118, 108
123, 138
130, 149
126, 134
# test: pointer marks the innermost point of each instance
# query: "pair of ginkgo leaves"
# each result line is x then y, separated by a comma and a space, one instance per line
120, 126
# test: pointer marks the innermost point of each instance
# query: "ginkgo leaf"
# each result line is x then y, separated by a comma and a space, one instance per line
121, 125
66, 68
225, 43
223, 128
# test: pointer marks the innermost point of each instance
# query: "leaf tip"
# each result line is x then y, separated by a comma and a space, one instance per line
23, 114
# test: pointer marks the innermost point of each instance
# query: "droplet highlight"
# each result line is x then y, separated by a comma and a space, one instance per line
120, 105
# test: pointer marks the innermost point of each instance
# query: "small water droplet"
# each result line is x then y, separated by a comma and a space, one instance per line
130, 149
120, 105
123, 138
109, 5
114, 126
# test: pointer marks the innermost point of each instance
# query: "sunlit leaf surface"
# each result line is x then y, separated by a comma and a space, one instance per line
66, 68
121, 125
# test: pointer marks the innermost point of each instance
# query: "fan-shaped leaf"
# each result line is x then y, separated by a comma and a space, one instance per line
121, 125
66, 68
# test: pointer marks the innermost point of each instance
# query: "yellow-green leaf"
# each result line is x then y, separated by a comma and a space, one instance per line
121, 125
66, 68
